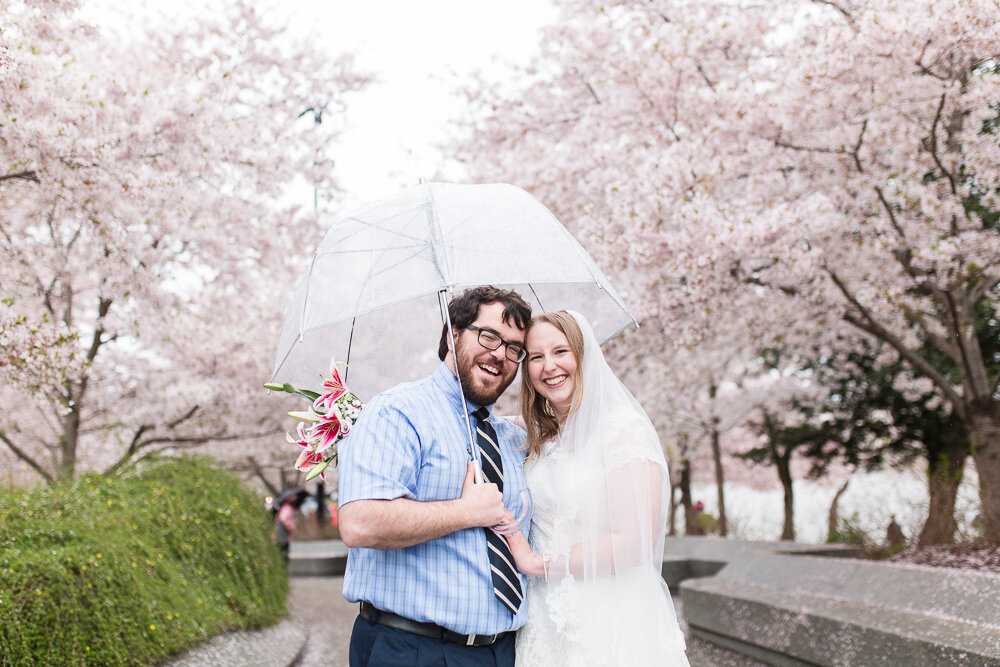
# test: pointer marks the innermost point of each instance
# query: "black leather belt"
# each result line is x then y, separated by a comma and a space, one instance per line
387, 618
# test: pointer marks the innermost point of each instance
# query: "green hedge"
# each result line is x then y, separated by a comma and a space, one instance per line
130, 570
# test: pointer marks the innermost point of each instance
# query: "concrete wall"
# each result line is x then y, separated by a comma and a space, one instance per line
822, 611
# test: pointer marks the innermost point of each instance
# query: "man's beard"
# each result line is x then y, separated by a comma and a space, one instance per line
466, 365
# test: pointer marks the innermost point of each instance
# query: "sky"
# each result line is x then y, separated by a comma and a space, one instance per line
416, 50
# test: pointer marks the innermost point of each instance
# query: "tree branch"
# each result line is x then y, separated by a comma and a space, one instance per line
940, 342
26, 175
187, 415
259, 472
892, 214
853, 153
864, 320
24, 456
842, 10
975, 375
978, 292
930, 144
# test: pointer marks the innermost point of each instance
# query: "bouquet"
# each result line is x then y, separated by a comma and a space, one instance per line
328, 419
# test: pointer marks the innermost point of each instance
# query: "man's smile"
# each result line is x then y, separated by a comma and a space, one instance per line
489, 368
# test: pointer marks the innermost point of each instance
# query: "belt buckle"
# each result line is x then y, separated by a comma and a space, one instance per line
490, 639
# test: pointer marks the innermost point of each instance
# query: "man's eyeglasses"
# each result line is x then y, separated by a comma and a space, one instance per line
488, 339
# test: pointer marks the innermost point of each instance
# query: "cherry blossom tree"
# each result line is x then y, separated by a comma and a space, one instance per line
799, 170
146, 220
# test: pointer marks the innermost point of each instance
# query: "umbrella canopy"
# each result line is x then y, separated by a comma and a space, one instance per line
297, 496
374, 293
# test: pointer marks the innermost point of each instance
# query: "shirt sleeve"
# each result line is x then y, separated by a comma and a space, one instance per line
380, 457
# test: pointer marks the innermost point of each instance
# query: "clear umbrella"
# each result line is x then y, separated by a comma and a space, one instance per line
375, 293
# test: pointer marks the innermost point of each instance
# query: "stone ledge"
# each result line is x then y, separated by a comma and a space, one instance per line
820, 611
696, 557
320, 558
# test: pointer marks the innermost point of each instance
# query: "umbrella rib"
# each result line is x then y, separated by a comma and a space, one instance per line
368, 224
437, 237
355, 251
532, 288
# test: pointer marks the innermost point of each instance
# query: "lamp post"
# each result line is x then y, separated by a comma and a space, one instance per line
317, 112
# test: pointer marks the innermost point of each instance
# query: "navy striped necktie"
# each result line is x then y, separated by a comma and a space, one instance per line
506, 585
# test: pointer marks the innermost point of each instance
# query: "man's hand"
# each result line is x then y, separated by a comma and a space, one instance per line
403, 522
483, 502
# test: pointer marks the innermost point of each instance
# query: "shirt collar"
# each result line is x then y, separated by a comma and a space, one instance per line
450, 387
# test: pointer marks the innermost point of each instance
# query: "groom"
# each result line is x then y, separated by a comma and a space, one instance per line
431, 588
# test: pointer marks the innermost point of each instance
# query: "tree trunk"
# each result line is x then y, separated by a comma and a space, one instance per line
984, 432
691, 526
68, 442
833, 517
944, 476
719, 480
783, 463
672, 511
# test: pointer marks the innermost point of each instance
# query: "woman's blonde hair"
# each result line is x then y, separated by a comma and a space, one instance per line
539, 417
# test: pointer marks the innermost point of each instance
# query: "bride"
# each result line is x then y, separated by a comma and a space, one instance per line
599, 484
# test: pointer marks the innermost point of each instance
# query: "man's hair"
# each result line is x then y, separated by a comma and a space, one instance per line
464, 309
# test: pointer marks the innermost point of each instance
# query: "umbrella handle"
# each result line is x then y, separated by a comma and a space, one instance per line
478, 466
523, 518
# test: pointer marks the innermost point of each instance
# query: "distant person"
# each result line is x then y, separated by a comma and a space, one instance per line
284, 521
894, 535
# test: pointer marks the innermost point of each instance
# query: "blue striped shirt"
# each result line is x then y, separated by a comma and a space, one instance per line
412, 442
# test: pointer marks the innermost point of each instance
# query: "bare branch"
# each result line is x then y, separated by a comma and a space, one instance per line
704, 75
810, 149
892, 214
24, 456
842, 10
259, 472
184, 417
930, 144
27, 175
853, 152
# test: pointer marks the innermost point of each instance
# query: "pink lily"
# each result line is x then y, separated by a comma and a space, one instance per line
335, 389
327, 431
302, 440
307, 460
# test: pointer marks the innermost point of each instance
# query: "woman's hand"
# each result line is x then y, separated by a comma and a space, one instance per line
525, 560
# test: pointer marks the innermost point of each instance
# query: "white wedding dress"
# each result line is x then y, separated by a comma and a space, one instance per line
600, 491
623, 619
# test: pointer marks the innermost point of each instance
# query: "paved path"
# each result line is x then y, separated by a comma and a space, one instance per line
318, 631
317, 604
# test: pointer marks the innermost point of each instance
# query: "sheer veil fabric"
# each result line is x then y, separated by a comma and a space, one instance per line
600, 499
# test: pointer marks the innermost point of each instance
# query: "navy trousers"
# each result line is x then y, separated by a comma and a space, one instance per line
374, 645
